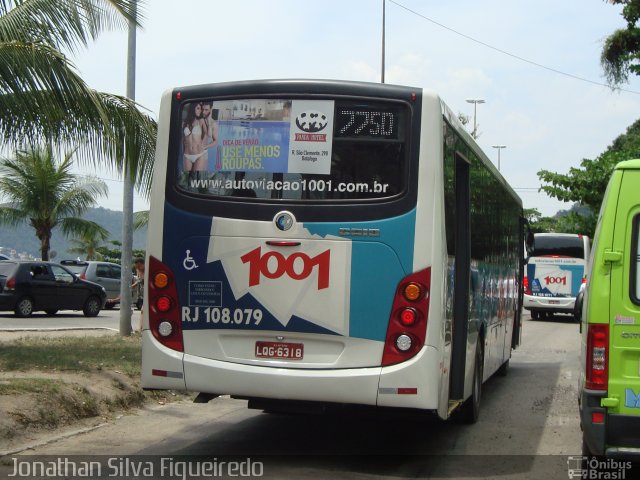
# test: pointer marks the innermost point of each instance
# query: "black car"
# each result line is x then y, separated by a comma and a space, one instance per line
29, 286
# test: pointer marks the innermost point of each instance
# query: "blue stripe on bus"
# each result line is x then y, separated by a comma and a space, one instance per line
397, 232
369, 307
393, 251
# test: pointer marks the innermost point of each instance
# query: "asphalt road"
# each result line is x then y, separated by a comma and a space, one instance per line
528, 428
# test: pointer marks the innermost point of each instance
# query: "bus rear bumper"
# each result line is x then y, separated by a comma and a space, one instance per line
394, 386
618, 435
555, 304
162, 367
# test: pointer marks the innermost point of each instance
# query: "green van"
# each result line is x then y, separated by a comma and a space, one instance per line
609, 388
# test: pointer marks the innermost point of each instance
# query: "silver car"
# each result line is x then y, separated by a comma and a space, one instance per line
103, 273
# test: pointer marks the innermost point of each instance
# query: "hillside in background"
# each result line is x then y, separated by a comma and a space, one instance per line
23, 238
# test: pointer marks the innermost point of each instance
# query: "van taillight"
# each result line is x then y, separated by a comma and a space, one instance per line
408, 321
597, 357
164, 315
525, 284
10, 284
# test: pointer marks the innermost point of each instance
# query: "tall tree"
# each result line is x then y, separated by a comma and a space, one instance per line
586, 185
42, 190
621, 51
42, 97
89, 243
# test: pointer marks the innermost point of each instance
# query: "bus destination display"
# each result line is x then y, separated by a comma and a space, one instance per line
366, 122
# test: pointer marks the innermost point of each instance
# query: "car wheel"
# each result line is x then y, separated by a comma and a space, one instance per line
92, 306
470, 410
51, 312
24, 307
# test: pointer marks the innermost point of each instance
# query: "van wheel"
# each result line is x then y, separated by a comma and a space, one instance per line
535, 315
24, 307
470, 410
92, 306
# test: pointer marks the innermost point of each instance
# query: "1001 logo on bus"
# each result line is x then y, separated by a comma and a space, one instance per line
555, 280
297, 266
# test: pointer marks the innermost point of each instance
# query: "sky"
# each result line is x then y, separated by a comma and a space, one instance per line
536, 65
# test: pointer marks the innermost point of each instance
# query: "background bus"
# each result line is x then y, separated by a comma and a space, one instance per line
341, 243
556, 272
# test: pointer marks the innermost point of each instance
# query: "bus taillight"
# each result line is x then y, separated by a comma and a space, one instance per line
408, 322
164, 316
597, 359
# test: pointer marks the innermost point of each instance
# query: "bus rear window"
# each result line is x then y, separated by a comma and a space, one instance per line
307, 150
559, 246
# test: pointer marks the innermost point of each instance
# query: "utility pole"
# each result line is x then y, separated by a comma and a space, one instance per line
383, 32
475, 102
127, 197
499, 147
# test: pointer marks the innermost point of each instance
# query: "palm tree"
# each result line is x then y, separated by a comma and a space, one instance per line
42, 97
88, 243
42, 190
140, 219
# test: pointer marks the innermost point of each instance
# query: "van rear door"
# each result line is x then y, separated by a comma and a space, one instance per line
624, 354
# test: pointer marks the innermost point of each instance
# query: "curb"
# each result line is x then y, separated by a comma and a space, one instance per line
31, 446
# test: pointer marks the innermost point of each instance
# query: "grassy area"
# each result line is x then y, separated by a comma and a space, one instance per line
50, 382
16, 386
79, 354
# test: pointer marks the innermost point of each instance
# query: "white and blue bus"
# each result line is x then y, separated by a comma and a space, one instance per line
328, 242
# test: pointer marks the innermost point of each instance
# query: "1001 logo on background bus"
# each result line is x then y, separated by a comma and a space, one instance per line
297, 266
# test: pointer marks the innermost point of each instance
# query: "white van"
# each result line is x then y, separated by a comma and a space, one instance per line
555, 273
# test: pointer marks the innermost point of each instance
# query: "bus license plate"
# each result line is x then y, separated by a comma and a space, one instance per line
290, 351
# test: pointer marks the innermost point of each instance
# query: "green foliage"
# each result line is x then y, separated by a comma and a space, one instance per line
41, 189
114, 252
75, 354
22, 239
621, 51
140, 219
586, 185
43, 99
538, 223
88, 242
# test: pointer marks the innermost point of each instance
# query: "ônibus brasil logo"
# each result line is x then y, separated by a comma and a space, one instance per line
297, 266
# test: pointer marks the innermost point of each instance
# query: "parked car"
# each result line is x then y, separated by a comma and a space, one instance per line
104, 273
4, 257
29, 286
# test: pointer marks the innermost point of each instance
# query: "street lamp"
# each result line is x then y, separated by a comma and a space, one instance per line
475, 102
499, 147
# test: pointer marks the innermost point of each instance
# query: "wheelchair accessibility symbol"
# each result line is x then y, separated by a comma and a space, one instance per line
189, 263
